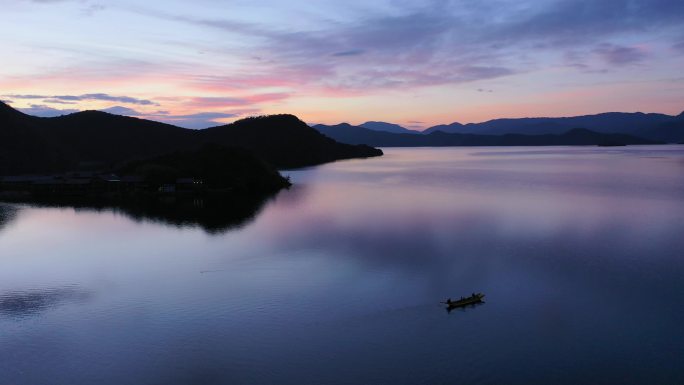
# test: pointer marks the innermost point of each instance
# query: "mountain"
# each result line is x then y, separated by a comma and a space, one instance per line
387, 127
448, 128
285, 141
531, 126
357, 135
22, 146
220, 167
43, 145
96, 136
641, 124
668, 132
346, 133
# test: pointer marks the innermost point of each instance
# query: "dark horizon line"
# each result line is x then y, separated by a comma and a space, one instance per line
503, 118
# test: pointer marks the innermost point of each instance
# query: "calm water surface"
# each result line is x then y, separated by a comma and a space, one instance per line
579, 250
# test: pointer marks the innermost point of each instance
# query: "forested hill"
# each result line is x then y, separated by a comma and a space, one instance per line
30, 144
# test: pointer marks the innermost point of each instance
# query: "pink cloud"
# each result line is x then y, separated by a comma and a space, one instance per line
265, 75
249, 100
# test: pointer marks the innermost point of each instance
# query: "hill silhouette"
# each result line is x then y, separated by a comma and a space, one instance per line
285, 141
21, 145
233, 169
578, 136
454, 127
43, 145
657, 127
387, 127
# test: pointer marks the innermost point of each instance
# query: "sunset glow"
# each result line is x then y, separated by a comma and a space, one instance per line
415, 63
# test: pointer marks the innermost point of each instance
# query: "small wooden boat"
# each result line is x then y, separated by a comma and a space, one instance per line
464, 301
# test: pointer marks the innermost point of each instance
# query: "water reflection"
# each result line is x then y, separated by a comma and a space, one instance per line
17, 304
338, 280
215, 215
463, 309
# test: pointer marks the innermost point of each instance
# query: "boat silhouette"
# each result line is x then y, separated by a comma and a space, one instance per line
475, 298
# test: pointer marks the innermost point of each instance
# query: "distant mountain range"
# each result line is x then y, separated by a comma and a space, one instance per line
652, 126
346, 133
613, 127
387, 127
30, 144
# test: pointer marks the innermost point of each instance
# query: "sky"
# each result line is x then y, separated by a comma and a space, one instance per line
417, 63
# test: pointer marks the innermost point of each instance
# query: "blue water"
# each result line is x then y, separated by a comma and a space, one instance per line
579, 250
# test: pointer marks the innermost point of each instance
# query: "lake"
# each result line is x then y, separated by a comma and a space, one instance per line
579, 250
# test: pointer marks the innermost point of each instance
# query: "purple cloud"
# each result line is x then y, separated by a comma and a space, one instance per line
410, 49
45, 111
209, 102
576, 22
57, 101
92, 9
437, 42
353, 52
620, 55
120, 110
679, 46
194, 121
85, 97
